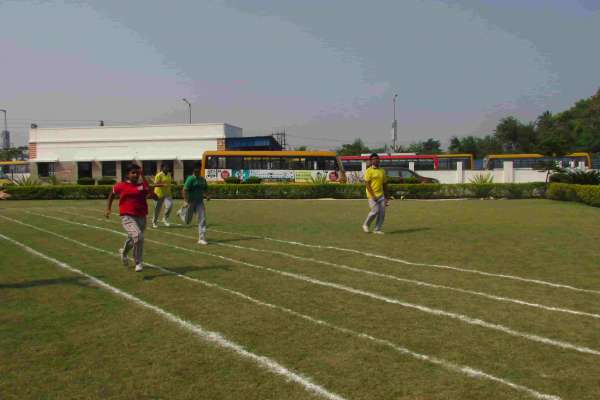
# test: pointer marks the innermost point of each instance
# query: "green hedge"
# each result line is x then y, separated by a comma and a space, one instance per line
58, 192
303, 191
587, 194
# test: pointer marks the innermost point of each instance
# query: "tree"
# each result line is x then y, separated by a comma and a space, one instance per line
429, 146
14, 153
355, 148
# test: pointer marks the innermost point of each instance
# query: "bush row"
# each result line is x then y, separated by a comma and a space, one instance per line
581, 193
301, 191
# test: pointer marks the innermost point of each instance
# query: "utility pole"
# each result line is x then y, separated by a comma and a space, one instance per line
190, 108
5, 135
394, 125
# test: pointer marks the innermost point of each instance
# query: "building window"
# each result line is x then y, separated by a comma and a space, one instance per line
109, 168
124, 165
149, 168
84, 169
169, 164
188, 168
45, 169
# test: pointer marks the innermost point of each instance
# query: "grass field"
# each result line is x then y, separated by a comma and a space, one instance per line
291, 300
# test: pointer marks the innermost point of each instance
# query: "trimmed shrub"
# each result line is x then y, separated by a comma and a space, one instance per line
253, 180
560, 177
586, 194
232, 180
86, 181
106, 181
58, 192
292, 191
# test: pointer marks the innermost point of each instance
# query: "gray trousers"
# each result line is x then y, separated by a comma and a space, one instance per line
377, 211
187, 213
158, 203
198, 208
134, 226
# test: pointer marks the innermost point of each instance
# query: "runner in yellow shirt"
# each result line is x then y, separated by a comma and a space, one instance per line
376, 183
162, 183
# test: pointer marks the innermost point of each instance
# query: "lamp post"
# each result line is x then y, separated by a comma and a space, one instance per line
190, 108
394, 125
5, 138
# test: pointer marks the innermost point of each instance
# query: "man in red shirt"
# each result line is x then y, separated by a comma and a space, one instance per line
133, 209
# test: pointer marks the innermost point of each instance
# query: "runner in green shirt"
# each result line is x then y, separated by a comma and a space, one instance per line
194, 192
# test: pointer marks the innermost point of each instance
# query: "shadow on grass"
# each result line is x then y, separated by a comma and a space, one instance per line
79, 281
185, 271
411, 230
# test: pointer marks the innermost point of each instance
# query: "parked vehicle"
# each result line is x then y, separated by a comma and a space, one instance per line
405, 175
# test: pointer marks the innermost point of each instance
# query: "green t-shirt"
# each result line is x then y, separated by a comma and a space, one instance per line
195, 186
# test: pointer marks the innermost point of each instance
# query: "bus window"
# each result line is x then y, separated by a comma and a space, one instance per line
298, 163
253, 163
232, 162
352, 165
276, 163
212, 162
327, 164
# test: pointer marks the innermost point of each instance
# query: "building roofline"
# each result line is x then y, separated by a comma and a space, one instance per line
137, 126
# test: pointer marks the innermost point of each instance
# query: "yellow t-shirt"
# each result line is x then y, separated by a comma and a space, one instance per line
164, 179
376, 176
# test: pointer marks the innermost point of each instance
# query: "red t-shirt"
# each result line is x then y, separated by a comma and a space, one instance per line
132, 198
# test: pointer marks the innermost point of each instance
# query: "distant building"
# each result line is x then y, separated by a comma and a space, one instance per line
105, 151
267, 143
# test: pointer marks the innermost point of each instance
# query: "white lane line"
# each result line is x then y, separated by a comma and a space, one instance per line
434, 311
205, 335
462, 369
405, 262
378, 274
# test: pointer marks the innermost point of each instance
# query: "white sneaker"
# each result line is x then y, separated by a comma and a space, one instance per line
154, 225
139, 268
378, 232
124, 258
203, 242
166, 223
365, 229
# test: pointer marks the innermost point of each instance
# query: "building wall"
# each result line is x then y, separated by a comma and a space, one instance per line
67, 146
506, 175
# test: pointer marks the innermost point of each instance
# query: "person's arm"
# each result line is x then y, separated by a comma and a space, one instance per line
185, 192
386, 192
4, 195
111, 197
370, 189
149, 191
205, 190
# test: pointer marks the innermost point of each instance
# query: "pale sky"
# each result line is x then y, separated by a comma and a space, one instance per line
323, 70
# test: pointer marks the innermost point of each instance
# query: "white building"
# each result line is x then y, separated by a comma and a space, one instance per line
104, 151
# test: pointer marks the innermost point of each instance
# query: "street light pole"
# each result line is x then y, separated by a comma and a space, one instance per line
190, 107
395, 124
5, 140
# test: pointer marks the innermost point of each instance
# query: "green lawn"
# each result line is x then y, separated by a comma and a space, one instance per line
459, 300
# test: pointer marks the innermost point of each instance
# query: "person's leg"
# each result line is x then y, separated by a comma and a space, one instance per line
168, 207
138, 246
158, 203
201, 210
134, 233
128, 245
372, 214
380, 215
